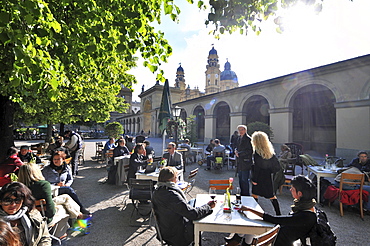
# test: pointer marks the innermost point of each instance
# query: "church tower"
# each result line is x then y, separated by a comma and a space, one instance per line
228, 78
212, 73
180, 78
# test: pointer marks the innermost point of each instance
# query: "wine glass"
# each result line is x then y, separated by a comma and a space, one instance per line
212, 193
238, 196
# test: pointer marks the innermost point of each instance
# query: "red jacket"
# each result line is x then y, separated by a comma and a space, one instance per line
10, 165
351, 197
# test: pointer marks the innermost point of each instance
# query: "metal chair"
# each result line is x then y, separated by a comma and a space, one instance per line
351, 179
159, 235
296, 150
81, 155
141, 191
267, 238
219, 184
99, 150
188, 186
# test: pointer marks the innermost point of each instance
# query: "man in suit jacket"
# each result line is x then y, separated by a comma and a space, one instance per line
173, 157
243, 152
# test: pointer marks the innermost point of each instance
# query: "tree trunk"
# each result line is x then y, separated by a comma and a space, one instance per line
49, 133
6, 125
61, 129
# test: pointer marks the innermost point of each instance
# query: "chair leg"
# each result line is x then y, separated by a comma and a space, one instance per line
341, 208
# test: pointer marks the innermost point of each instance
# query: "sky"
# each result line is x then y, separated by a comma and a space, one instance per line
341, 31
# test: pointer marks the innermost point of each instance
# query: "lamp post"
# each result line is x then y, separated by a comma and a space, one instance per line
176, 113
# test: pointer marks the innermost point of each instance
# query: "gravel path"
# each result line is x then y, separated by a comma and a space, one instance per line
110, 223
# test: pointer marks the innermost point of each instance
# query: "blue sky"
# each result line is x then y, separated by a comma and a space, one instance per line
341, 31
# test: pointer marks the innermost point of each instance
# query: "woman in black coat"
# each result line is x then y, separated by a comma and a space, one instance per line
137, 159
262, 170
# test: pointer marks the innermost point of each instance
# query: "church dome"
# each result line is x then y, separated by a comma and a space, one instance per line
180, 69
213, 51
227, 74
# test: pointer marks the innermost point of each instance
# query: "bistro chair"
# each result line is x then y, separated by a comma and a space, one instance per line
187, 186
220, 184
296, 150
56, 228
159, 235
99, 150
267, 238
140, 193
351, 179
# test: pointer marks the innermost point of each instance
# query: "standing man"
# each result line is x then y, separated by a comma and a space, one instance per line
174, 158
243, 152
74, 145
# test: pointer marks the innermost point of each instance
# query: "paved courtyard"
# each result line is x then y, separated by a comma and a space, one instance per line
110, 223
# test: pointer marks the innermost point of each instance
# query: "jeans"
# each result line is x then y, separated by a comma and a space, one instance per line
74, 162
244, 182
71, 192
348, 187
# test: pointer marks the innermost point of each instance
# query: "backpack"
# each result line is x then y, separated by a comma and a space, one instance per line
321, 233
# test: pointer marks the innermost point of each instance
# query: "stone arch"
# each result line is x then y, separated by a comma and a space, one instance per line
256, 108
314, 118
221, 114
200, 121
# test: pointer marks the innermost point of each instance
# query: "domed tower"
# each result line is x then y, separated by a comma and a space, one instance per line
228, 78
212, 73
180, 78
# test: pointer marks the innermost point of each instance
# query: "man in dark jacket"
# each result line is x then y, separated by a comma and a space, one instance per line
243, 152
26, 155
175, 216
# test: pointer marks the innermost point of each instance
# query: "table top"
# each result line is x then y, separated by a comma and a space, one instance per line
321, 170
218, 217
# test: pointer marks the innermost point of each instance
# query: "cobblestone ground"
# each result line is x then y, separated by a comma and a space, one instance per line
111, 217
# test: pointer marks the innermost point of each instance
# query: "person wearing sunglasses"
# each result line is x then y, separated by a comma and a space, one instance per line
17, 208
174, 158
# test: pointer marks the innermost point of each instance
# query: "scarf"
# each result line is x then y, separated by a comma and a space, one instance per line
172, 185
300, 205
22, 216
57, 168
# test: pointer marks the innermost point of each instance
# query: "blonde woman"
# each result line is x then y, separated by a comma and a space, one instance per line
264, 159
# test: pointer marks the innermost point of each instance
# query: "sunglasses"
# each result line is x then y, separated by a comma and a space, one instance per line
169, 148
9, 201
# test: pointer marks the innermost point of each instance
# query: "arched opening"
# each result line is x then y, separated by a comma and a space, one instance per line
146, 116
255, 109
314, 119
199, 119
222, 115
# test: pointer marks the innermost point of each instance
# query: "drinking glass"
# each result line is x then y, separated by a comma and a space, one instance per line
212, 193
238, 196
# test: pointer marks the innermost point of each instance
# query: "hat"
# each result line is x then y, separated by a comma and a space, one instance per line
25, 147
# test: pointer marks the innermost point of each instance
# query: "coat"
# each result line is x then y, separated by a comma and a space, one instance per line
176, 161
54, 177
245, 151
41, 190
262, 175
9, 165
136, 161
175, 215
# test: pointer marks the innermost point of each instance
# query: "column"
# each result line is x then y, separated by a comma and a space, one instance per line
281, 122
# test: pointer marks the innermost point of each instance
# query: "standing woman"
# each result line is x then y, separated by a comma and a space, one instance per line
18, 210
264, 159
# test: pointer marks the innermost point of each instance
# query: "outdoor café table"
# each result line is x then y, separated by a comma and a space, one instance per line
121, 162
232, 222
319, 171
198, 151
154, 175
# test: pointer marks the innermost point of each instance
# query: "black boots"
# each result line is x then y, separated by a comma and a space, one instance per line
275, 203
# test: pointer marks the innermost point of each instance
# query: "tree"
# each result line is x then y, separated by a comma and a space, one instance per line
113, 130
64, 61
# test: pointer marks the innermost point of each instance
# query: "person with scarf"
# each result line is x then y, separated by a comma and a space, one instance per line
175, 216
301, 219
9, 166
17, 208
59, 173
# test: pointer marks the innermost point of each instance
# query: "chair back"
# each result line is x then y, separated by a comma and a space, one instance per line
193, 173
219, 184
352, 179
267, 238
140, 189
41, 206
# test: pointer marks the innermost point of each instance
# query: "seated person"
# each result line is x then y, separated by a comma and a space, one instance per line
55, 144
129, 144
137, 159
174, 158
109, 145
189, 154
26, 155
175, 216
210, 147
284, 155
149, 149
303, 217
59, 173
121, 149
219, 148
17, 207
10, 165
359, 165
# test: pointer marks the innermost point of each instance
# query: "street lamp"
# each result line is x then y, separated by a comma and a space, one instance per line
176, 111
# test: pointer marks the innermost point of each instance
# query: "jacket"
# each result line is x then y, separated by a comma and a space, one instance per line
175, 215
245, 151
54, 177
135, 162
40, 233
176, 160
9, 165
41, 190
120, 151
